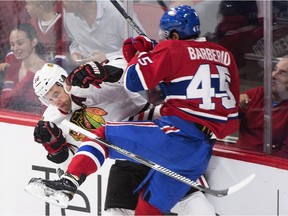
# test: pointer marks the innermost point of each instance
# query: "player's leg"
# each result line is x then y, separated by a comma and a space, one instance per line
195, 202
118, 212
146, 139
124, 177
57, 192
145, 208
88, 159
162, 147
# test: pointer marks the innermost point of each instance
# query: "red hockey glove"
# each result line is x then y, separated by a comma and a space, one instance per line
128, 49
50, 136
89, 73
144, 44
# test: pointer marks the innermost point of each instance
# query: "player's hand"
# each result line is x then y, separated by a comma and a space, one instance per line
244, 101
50, 136
128, 49
90, 73
144, 44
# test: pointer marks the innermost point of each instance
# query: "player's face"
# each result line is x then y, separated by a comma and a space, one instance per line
57, 97
21, 45
280, 79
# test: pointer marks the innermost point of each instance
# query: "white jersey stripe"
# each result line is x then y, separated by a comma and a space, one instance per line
207, 115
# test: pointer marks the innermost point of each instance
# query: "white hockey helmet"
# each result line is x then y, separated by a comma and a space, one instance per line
45, 78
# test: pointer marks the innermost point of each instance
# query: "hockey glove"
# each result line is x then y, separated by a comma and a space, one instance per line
144, 44
89, 73
128, 49
113, 73
50, 136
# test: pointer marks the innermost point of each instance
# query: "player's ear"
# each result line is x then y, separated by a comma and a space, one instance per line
174, 36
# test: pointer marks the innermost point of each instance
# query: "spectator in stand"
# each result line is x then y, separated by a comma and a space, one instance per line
96, 28
13, 13
252, 113
17, 93
239, 22
50, 30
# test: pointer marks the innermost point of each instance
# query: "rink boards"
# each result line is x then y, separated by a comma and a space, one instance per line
21, 159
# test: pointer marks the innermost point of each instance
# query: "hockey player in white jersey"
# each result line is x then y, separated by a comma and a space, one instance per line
89, 105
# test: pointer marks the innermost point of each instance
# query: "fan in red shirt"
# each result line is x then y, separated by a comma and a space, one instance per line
252, 113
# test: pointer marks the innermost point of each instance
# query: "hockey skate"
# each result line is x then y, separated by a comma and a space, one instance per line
57, 192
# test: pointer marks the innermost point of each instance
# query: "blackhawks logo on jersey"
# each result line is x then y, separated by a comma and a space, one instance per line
87, 118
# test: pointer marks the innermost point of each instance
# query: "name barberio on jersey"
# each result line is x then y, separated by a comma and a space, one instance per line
209, 54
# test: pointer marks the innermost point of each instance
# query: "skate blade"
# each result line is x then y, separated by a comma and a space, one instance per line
46, 194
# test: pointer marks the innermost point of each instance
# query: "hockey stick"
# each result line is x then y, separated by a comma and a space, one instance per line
159, 168
134, 25
128, 18
162, 5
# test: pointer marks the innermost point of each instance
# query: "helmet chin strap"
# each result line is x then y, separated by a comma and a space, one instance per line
68, 91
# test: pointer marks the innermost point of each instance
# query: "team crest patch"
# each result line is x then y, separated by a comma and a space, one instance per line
87, 118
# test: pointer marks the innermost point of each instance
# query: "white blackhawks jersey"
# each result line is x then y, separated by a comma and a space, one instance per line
93, 107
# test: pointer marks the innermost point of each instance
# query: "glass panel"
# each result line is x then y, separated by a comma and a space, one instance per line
236, 25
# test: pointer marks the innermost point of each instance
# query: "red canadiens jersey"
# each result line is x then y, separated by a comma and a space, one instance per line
19, 95
54, 38
199, 80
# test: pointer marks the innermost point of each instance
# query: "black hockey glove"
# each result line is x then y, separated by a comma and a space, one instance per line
113, 73
89, 73
60, 156
50, 136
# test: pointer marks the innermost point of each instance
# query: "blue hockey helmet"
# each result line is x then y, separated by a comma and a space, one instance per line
183, 19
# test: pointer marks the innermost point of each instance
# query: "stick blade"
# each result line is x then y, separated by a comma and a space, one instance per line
241, 184
232, 189
38, 189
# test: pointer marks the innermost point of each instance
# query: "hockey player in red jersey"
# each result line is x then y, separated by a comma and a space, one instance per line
199, 81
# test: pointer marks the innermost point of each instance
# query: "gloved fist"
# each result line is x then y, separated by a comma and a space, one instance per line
128, 49
89, 73
50, 136
144, 44
140, 43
